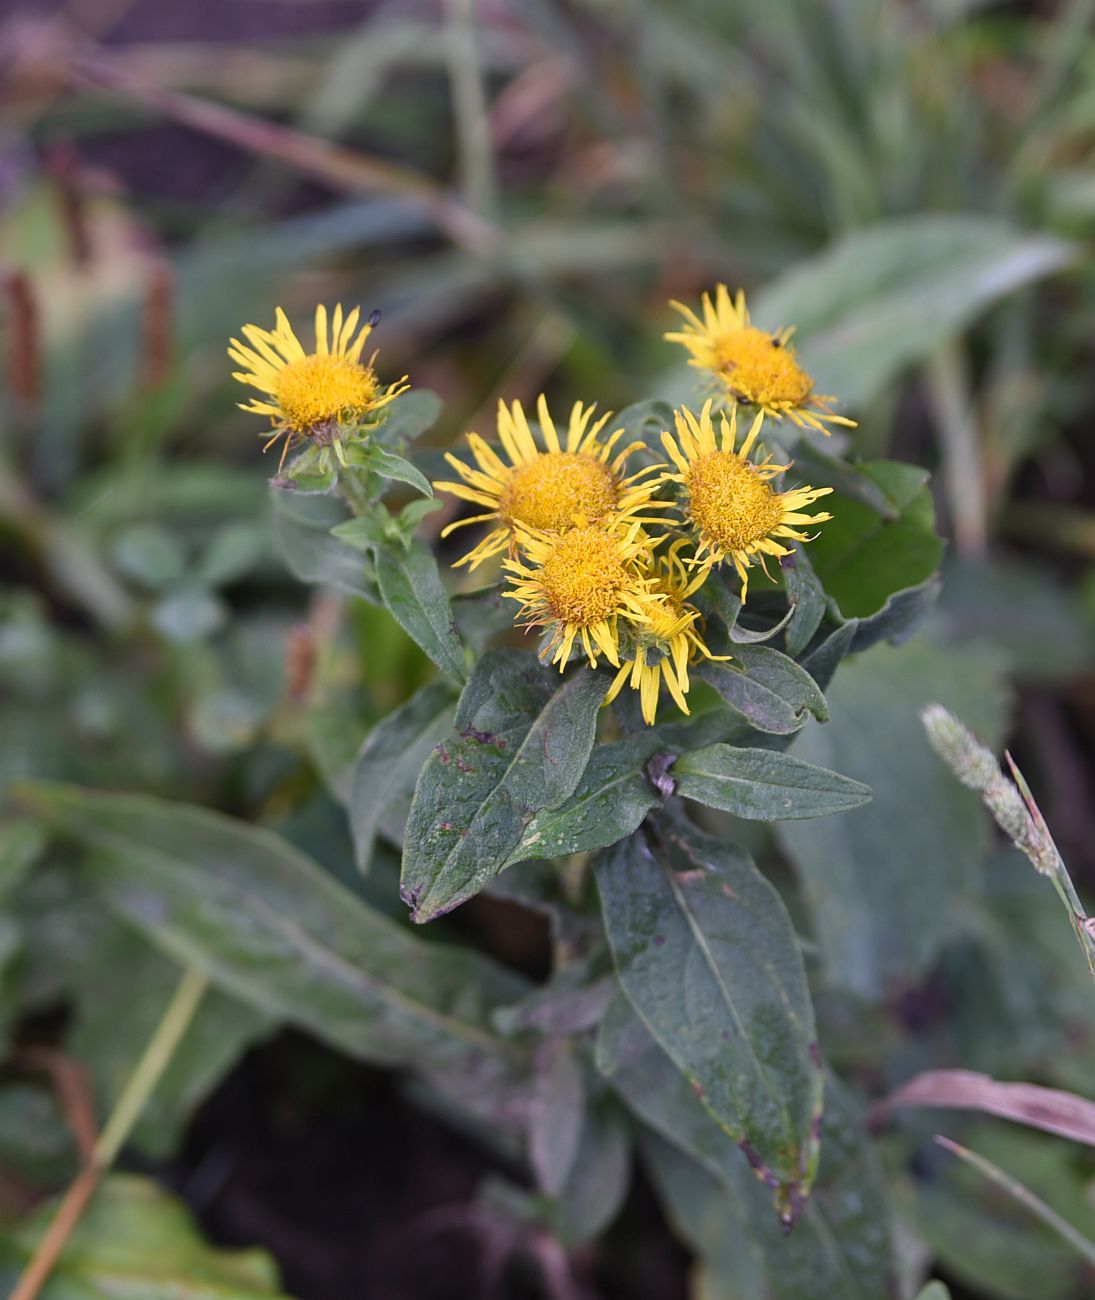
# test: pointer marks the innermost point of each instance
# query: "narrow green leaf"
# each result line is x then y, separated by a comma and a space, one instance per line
558, 1113
388, 763
716, 596
764, 785
277, 931
808, 601
388, 465
412, 589
840, 1245
767, 688
708, 957
522, 739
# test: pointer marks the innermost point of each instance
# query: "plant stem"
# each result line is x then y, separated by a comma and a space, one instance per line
469, 103
142, 1082
1025, 1197
963, 473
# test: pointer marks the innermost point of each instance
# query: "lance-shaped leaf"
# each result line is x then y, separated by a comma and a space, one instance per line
767, 688
272, 927
302, 533
764, 785
807, 597
413, 591
389, 761
522, 739
707, 956
840, 1245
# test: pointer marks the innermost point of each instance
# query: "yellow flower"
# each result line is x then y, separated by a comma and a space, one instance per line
731, 502
310, 394
757, 367
663, 647
580, 583
545, 490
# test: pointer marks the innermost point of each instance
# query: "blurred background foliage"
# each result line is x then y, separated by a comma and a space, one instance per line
519, 185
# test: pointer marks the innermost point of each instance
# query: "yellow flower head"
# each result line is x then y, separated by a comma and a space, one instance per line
546, 490
757, 367
309, 394
580, 584
731, 502
663, 647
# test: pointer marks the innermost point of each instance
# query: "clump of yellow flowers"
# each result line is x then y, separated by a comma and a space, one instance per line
602, 558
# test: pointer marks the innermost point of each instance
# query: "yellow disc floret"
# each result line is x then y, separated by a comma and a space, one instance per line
751, 365
550, 491
580, 585
759, 368
730, 502
316, 389
583, 576
571, 480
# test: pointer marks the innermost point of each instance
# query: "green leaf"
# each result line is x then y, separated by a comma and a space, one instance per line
707, 956
134, 1242
388, 763
898, 617
302, 533
764, 785
883, 297
840, 1245
717, 598
827, 656
862, 558
557, 1116
934, 1291
412, 589
274, 929
807, 598
409, 416
388, 465
612, 798
767, 688
599, 1178
521, 743
886, 883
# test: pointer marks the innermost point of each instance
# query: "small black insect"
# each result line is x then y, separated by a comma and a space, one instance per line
374, 319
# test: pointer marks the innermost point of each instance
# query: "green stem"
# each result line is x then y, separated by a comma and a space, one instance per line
1025, 1197
157, 1056
963, 473
469, 103
155, 1059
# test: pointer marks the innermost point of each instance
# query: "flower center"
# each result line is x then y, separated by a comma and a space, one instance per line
730, 502
548, 492
316, 389
583, 576
759, 369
